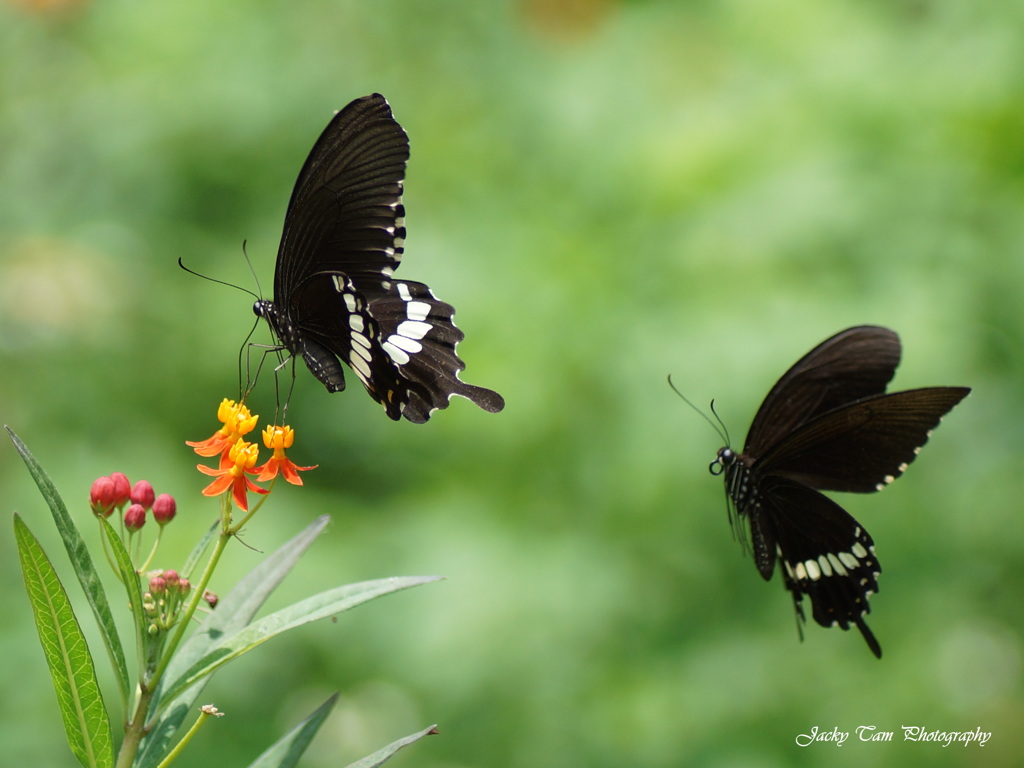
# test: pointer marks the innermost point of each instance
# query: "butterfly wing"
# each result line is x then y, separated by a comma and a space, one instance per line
345, 213
419, 337
861, 446
824, 554
851, 365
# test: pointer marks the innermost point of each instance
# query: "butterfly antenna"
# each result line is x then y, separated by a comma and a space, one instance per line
725, 429
252, 271
719, 428
215, 280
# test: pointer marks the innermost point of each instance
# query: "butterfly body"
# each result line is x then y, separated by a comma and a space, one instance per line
828, 425
336, 299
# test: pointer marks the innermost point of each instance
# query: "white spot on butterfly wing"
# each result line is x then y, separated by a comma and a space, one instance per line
826, 566
396, 354
813, 570
417, 310
413, 329
858, 550
363, 352
848, 560
359, 365
837, 565
402, 342
789, 569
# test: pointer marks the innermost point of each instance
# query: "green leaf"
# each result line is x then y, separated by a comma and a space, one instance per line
381, 756
67, 655
233, 612
320, 606
129, 578
287, 750
83, 565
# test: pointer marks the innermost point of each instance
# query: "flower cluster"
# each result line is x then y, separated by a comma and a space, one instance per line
167, 591
112, 492
238, 456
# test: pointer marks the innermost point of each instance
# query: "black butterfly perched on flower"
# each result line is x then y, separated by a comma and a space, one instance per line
828, 425
335, 295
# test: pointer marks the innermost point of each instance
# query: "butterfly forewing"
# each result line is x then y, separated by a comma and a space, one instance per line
346, 210
863, 446
854, 363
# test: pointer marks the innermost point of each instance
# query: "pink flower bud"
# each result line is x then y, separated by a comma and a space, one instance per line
134, 517
172, 577
157, 585
211, 598
102, 496
164, 508
122, 488
184, 586
142, 493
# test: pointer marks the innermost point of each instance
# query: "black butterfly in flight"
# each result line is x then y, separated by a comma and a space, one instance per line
828, 425
335, 295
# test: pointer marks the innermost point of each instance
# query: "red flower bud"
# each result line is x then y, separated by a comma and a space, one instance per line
122, 488
142, 493
102, 496
134, 517
164, 508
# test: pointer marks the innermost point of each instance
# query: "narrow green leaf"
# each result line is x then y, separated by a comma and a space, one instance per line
233, 612
67, 655
130, 580
320, 606
381, 756
287, 750
83, 565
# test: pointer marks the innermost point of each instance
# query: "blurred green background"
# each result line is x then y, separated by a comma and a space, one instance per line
608, 192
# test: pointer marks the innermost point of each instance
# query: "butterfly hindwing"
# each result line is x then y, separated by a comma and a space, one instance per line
418, 333
823, 553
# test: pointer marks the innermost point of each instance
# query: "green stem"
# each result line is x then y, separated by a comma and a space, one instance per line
205, 713
136, 727
134, 731
152, 552
197, 594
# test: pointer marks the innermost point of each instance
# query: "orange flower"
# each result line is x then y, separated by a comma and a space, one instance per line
237, 422
240, 459
279, 439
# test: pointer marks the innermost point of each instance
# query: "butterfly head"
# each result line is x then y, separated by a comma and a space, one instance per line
282, 327
723, 460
